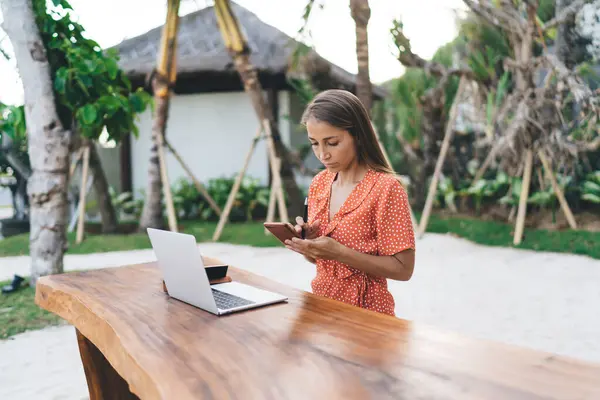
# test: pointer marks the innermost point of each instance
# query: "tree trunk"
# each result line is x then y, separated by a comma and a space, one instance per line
565, 41
432, 129
106, 208
238, 48
47, 140
164, 79
152, 213
253, 88
361, 13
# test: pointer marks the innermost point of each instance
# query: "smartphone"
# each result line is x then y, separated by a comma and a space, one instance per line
282, 230
215, 272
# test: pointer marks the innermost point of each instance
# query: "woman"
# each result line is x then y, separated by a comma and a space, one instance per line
359, 231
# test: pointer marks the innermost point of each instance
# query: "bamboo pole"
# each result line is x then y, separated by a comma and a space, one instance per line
82, 192
235, 188
235, 41
275, 164
401, 180
540, 178
272, 198
385, 154
486, 162
201, 189
166, 186
522, 211
559, 194
167, 72
75, 163
441, 158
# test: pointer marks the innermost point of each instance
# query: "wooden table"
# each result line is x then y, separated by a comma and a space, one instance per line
136, 341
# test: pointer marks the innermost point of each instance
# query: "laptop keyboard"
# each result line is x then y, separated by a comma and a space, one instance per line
226, 301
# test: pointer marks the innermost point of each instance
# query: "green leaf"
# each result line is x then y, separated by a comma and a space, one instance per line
112, 68
137, 103
591, 187
92, 65
591, 197
540, 198
89, 114
60, 80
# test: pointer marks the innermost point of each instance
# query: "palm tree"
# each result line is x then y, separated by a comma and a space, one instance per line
361, 13
165, 77
240, 52
48, 142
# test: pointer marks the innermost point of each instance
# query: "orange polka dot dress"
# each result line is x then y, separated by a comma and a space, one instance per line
374, 219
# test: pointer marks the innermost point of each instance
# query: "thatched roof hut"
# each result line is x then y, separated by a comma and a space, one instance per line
204, 65
211, 118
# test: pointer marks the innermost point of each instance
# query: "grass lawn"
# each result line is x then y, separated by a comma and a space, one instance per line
246, 233
500, 234
18, 311
483, 232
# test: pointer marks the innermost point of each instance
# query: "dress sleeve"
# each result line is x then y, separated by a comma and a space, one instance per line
394, 225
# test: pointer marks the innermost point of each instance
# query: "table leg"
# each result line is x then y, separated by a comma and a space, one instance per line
104, 383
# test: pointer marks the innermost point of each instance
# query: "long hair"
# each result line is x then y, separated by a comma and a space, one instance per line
344, 110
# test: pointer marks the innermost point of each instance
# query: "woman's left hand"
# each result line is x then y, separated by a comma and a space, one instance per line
323, 247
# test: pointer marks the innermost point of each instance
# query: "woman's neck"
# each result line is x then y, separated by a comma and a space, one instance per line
351, 175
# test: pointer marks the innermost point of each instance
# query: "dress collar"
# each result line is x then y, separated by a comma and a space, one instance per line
354, 199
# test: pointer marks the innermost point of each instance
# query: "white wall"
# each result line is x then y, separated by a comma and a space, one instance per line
5, 197
212, 132
283, 104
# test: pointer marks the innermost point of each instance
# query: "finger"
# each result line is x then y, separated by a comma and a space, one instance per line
296, 251
300, 221
315, 226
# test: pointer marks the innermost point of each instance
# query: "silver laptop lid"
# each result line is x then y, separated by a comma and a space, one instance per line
182, 267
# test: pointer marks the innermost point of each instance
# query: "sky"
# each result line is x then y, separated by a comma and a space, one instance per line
428, 23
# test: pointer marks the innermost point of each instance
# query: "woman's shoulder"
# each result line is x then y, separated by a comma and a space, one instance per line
319, 180
387, 181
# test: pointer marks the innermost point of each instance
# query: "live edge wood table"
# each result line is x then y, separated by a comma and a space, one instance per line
137, 342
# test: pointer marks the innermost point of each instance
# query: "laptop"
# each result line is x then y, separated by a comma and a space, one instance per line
185, 276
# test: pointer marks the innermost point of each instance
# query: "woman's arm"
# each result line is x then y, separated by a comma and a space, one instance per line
399, 266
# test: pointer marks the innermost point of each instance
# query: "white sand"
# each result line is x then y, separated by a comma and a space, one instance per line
539, 300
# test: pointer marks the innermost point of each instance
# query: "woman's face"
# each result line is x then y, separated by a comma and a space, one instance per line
334, 147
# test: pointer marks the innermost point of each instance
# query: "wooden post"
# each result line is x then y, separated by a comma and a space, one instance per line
163, 83
235, 188
164, 176
272, 197
201, 189
559, 194
441, 158
385, 154
487, 162
403, 181
540, 179
75, 162
82, 191
522, 211
275, 164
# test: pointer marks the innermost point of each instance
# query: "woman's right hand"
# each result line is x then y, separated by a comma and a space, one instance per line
311, 231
